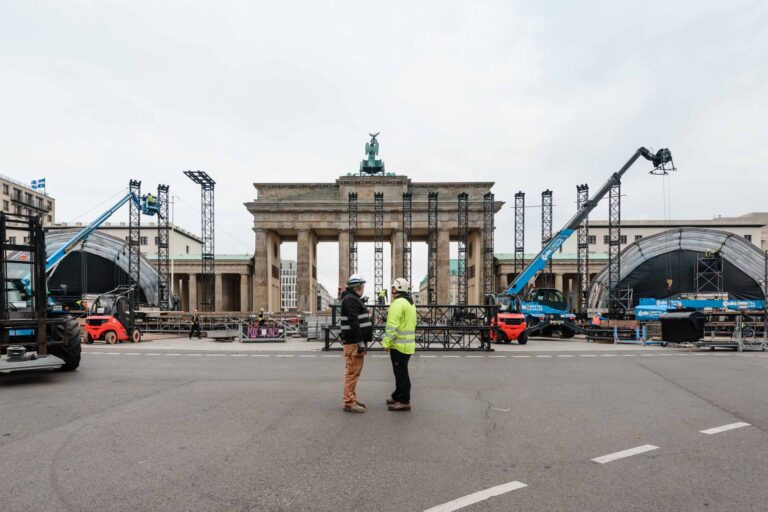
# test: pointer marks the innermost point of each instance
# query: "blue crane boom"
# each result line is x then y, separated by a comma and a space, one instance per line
658, 159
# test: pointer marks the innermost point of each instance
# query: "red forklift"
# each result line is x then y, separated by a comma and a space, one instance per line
111, 318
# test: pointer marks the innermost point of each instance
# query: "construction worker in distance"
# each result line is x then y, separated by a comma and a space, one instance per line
382, 297
195, 326
400, 340
356, 333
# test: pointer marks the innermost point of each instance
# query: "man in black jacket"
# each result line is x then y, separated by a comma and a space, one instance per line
356, 333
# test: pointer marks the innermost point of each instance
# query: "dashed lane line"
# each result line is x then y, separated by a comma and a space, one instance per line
477, 497
724, 428
625, 453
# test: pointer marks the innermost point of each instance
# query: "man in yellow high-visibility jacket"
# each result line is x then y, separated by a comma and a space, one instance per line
400, 339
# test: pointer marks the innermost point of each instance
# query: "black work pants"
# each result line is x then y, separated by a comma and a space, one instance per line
195, 327
402, 392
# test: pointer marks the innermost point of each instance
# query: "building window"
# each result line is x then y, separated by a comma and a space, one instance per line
29, 198
623, 239
605, 239
748, 237
49, 205
17, 210
591, 239
50, 219
5, 204
187, 249
638, 237
157, 240
12, 240
5, 189
143, 240
26, 239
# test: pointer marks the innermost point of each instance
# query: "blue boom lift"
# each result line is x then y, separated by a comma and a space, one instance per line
545, 309
33, 335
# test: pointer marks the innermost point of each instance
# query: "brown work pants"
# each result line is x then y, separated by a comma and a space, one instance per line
353, 366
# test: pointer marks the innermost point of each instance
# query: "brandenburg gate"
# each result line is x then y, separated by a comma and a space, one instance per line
374, 206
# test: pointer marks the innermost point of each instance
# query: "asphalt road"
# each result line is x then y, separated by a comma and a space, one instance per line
186, 431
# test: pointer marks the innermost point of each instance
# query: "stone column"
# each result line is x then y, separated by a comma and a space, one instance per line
443, 267
396, 259
559, 281
261, 269
306, 271
475, 270
192, 291
219, 292
343, 259
243, 293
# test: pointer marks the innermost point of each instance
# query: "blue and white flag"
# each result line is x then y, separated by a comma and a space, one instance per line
38, 184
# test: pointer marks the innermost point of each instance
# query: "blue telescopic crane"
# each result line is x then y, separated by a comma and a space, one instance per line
545, 315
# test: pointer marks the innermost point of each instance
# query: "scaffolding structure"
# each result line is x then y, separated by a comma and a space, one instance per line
134, 252
708, 277
546, 234
582, 249
461, 277
407, 226
432, 249
519, 232
352, 219
378, 233
615, 296
489, 269
163, 249
208, 272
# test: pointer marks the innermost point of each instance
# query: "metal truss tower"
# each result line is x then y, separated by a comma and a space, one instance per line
582, 249
546, 233
134, 251
489, 270
208, 277
614, 248
352, 218
519, 232
407, 225
461, 278
432, 249
378, 231
163, 249
709, 273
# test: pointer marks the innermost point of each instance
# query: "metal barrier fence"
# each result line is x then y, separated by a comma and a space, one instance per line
438, 327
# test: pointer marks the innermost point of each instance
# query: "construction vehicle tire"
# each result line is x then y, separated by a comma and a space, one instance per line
135, 336
566, 333
523, 338
70, 351
88, 339
110, 337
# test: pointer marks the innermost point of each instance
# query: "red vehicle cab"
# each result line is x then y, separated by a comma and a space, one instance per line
108, 321
510, 322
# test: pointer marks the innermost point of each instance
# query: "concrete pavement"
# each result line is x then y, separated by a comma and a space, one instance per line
140, 429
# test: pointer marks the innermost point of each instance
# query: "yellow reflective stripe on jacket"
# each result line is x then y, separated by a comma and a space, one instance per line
400, 331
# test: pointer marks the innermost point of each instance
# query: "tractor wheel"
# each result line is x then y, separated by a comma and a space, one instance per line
70, 350
523, 338
135, 336
503, 338
110, 337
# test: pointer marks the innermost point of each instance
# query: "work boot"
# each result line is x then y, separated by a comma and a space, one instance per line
354, 408
391, 401
361, 404
397, 406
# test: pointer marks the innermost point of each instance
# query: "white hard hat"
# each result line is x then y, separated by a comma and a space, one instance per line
355, 280
401, 285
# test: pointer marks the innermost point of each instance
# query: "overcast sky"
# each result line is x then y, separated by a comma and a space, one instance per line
530, 94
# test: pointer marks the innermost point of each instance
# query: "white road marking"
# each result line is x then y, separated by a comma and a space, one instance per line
565, 355
285, 355
306, 355
215, 355
426, 356
587, 355
379, 355
497, 356
475, 356
521, 356
450, 356
543, 356
648, 355
477, 497
324, 355
625, 453
189, 355
723, 428
242, 355
179, 354
629, 355
154, 354
607, 355
113, 353
270, 355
